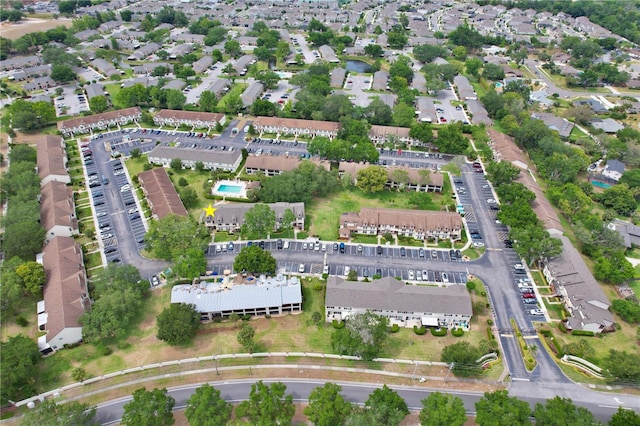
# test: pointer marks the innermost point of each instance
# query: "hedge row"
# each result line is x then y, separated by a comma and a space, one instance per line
582, 333
562, 327
439, 332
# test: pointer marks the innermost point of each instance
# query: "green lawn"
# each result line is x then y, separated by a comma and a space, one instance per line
236, 90
324, 214
365, 239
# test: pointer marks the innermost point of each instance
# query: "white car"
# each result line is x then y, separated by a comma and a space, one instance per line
301, 268
325, 270
106, 236
133, 210
317, 246
125, 188
491, 201
445, 277
347, 270
411, 276
536, 312
425, 275
478, 244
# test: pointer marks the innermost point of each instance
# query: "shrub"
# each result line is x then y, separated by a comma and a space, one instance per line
490, 334
395, 328
490, 321
124, 345
471, 285
582, 333
317, 286
22, 321
104, 350
562, 327
439, 332
419, 330
246, 317
337, 324
457, 332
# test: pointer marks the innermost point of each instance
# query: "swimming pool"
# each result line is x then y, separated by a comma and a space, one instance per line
498, 85
600, 184
230, 189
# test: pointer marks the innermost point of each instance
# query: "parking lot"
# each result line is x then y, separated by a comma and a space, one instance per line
113, 202
366, 260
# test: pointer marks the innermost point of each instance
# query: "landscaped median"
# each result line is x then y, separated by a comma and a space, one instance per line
526, 352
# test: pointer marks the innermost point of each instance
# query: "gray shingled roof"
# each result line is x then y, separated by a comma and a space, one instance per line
390, 294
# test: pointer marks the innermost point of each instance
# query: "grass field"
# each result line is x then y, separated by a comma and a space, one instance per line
324, 214
284, 334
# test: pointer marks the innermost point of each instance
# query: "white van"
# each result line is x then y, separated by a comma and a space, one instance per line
286, 244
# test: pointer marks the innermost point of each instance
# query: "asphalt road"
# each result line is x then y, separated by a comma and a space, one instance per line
238, 390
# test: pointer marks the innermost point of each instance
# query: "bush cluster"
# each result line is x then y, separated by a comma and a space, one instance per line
337, 324
439, 332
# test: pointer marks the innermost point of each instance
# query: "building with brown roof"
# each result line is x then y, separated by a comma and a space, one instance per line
161, 194
405, 305
195, 119
294, 126
65, 295
418, 224
271, 165
52, 160
420, 180
585, 301
99, 121
382, 134
230, 217
505, 149
57, 210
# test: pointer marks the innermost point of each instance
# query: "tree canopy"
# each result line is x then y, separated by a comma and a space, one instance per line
173, 235
562, 412
254, 259
499, 409
390, 408
442, 409
372, 178
326, 406
178, 324
364, 336
207, 408
259, 221
49, 413
18, 369
267, 405
149, 408
463, 356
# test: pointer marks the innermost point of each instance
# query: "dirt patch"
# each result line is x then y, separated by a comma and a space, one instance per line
15, 30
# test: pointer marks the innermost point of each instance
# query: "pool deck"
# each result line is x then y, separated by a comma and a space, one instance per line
240, 194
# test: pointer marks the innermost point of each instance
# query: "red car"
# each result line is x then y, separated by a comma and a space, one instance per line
443, 120
529, 296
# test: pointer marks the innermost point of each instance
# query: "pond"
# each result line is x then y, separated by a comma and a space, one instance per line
358, 66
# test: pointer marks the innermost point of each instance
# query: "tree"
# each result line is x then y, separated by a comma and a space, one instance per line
422, 131
403, 115
466, 36
259, 221
32, 275
533, 242
363, 336
176, 164
625, 417
255, 260
98, 104
189, 197
62, 73
31, 115
451, 140
126, 15
208, 101
49, 413
326, 406
390, 408
232, 48
175, 99
269, 78
501, 172
441, 409
18, 369
149, 408
172, 235
267, 405
493, 72
621, 366
373, 50
372, 178
263, 108
628, 310
428, 52
620, 198
562, 412
246, 337
178, 324
378, 112
207, 408
498, 409
288, 218
463, 356
613, 268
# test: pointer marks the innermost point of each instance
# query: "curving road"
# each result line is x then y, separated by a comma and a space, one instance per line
238, 390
